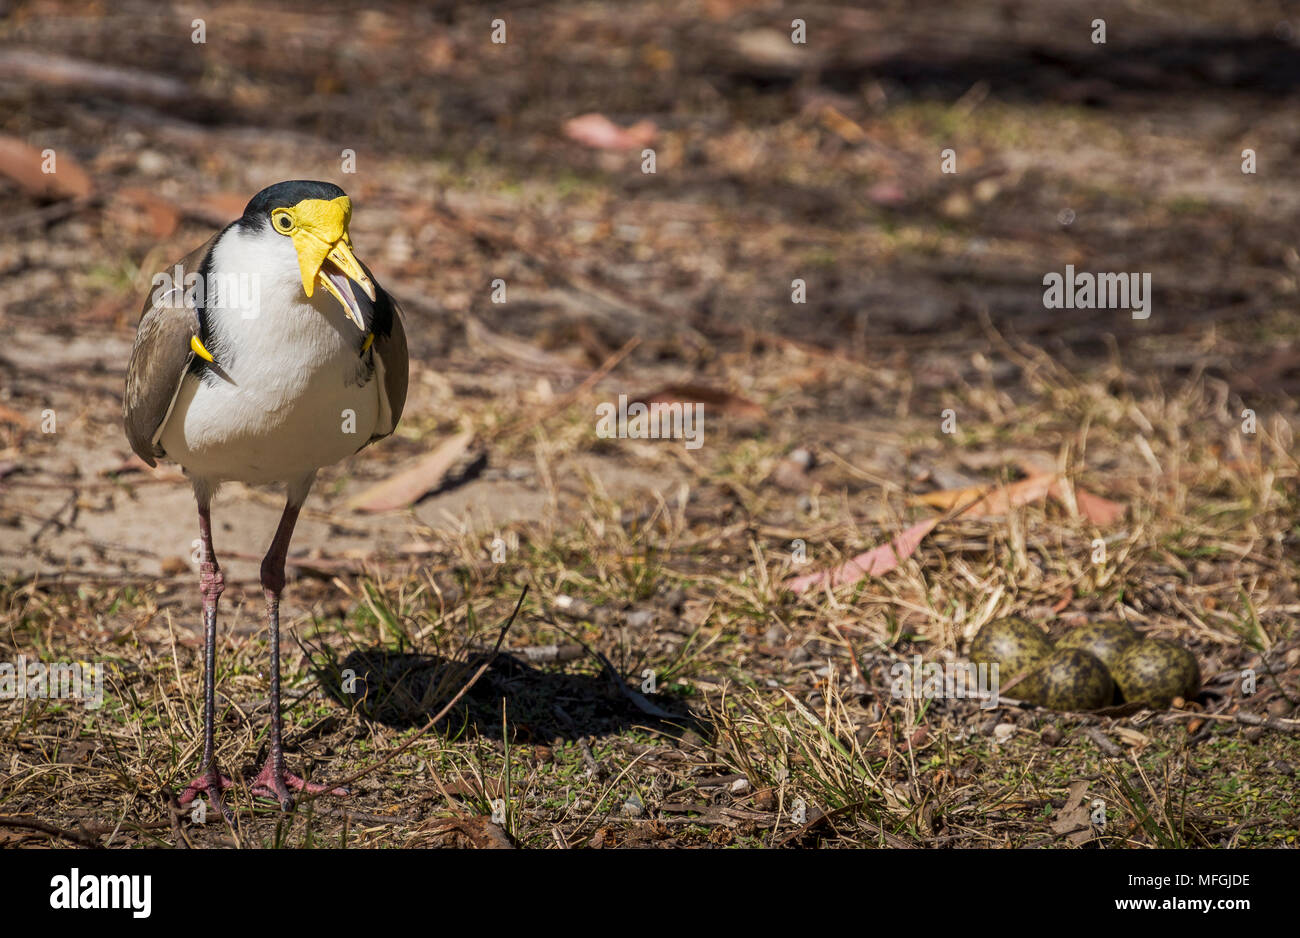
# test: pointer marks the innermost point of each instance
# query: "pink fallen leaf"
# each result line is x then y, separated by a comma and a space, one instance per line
410, 485
716, 399
145, 210
26, 166
216, 208
1100, 511
598, 131
877, 561
888, 194
1001, 500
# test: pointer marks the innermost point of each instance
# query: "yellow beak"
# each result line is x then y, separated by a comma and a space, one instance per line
320, 238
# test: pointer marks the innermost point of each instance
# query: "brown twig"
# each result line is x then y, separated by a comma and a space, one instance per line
82, 836
1245, 719
1103, 743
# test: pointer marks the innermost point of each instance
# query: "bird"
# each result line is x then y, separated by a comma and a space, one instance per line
264, 355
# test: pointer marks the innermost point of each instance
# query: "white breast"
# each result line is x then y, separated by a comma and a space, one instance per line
295, 395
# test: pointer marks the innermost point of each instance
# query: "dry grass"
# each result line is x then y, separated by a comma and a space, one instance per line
924, 296
778, 739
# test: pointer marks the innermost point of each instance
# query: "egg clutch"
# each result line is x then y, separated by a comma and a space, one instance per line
1092, 666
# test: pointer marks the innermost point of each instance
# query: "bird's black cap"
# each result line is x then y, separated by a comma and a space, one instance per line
286, 194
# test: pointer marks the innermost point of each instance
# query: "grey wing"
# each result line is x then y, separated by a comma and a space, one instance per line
392, 358
159, 361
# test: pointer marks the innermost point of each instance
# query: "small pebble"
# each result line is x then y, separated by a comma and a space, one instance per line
1050, 736
640, 618
802, 457
740, 786
1003, 732
633, 807
1280, 708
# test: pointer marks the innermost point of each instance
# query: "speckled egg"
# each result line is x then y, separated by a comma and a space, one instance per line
1155, 671
1074, 679
1106, 640
1015, 646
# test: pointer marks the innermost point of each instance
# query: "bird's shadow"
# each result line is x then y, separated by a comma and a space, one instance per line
404, 689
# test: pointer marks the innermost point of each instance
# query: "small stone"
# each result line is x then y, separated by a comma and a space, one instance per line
633, 807
802, 457
1003, 732
1050, 736
151, 163
640, 618
1280, 708
957, 205
740, 786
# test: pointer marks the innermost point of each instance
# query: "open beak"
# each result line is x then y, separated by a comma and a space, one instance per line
325, 254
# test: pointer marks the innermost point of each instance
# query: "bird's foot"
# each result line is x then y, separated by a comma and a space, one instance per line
277, 785
213, 784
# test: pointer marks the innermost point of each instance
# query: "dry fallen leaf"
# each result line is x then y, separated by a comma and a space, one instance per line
10, 416
1074, 820
948, 499
874, 562
599, 132
217, 209
1001, 500
146, 211
25, 165
411, 484
475, 832
981, 502
1100, 511
1132, 738
715, 399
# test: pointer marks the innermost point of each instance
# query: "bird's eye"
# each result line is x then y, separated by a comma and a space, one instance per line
283, 222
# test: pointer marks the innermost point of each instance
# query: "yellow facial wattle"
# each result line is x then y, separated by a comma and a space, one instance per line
319, 229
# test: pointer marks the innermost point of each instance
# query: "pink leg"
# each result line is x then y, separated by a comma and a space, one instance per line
211, 584
275, 781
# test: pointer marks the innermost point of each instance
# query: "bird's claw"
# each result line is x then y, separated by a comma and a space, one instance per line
277, 785
213, 784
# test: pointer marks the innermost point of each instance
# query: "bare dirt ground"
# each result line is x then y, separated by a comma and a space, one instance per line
771, 720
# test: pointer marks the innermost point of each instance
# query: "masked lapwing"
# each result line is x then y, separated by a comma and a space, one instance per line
261, 357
